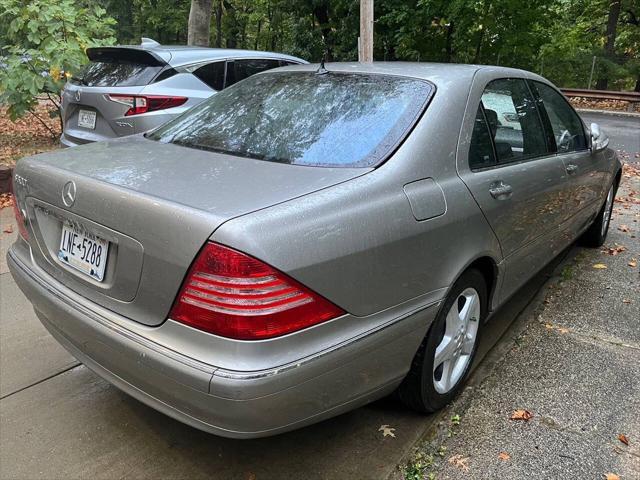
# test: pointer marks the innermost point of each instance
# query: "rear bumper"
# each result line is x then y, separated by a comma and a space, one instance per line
235, 404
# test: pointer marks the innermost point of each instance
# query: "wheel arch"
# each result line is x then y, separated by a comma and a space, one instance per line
618, 177
488, 268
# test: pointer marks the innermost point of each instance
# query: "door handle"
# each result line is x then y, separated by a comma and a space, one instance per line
500, 190
571, 169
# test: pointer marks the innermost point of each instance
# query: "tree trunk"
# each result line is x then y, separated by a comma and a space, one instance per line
218, 23
233, 31
199, 23
321, 13
255, 43
612, 27
449, 44
476, 57
637, 89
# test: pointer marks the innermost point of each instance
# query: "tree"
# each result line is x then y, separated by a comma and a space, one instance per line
199, 23
47, 43
609, 48
555, 37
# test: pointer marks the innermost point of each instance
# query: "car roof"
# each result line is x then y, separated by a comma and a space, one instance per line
438, 73
179, 55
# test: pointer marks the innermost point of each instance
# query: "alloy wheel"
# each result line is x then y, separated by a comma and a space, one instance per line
455, 350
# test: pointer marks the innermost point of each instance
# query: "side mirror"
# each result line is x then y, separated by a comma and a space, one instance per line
599, 139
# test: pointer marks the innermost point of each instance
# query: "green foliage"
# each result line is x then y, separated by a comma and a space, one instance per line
44, 43
40, 40
557, 38
578, 34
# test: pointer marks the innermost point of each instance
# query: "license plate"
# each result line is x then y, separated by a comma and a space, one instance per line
87, 119
83, 251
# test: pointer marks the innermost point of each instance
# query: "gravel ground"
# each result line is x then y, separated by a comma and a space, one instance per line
575, 367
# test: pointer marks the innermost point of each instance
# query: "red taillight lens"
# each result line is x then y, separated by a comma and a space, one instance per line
146, 103
234, 295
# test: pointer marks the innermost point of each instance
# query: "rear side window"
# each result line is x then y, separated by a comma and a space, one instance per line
116, 74
564, 121
302, 118
168, 72
481, 150
513, 120
240, 69
212, 74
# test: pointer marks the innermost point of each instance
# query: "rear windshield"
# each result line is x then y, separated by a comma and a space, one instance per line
116, 74
303, 118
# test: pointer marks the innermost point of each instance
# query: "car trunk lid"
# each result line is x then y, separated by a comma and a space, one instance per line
157, 204
87, 112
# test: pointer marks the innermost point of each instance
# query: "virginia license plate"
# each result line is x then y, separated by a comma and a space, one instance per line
83, 251
87, 119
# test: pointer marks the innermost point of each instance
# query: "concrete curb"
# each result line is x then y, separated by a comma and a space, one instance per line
609, 112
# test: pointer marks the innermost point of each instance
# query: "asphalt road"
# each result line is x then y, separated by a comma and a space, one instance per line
575, 366
624, 131
59, 420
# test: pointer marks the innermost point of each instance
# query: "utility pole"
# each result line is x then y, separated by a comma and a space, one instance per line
593, 67
365, 43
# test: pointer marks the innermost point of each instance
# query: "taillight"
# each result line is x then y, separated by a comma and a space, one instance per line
146, 103
231, 294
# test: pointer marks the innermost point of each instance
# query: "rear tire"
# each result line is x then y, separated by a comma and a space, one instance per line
596, 234
433, 382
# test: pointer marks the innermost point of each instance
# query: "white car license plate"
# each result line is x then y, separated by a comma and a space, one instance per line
83, 251
87, 119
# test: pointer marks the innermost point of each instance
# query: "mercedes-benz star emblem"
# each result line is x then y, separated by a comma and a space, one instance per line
69, 194
78, 95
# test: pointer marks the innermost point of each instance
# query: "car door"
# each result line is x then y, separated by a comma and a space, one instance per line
585, 174
514, 176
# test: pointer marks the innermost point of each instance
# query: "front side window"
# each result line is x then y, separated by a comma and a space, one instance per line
302, 118
565, 123
514, 121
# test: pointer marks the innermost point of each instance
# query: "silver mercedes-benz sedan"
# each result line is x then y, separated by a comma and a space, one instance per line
309, 239
131, 89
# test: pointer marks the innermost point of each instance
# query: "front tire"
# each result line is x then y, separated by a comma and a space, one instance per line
596, 234
446, 354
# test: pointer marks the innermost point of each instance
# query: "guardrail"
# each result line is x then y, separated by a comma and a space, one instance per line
631, 97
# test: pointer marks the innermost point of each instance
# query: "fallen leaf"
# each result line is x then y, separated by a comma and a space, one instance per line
548, 326
563, 330
633, 263
387, 431
525, 415
611, 476
504, 456
623, 228
626, 300
8, 229
616, 250
600, 266
623, 438
460, 462
6, 200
